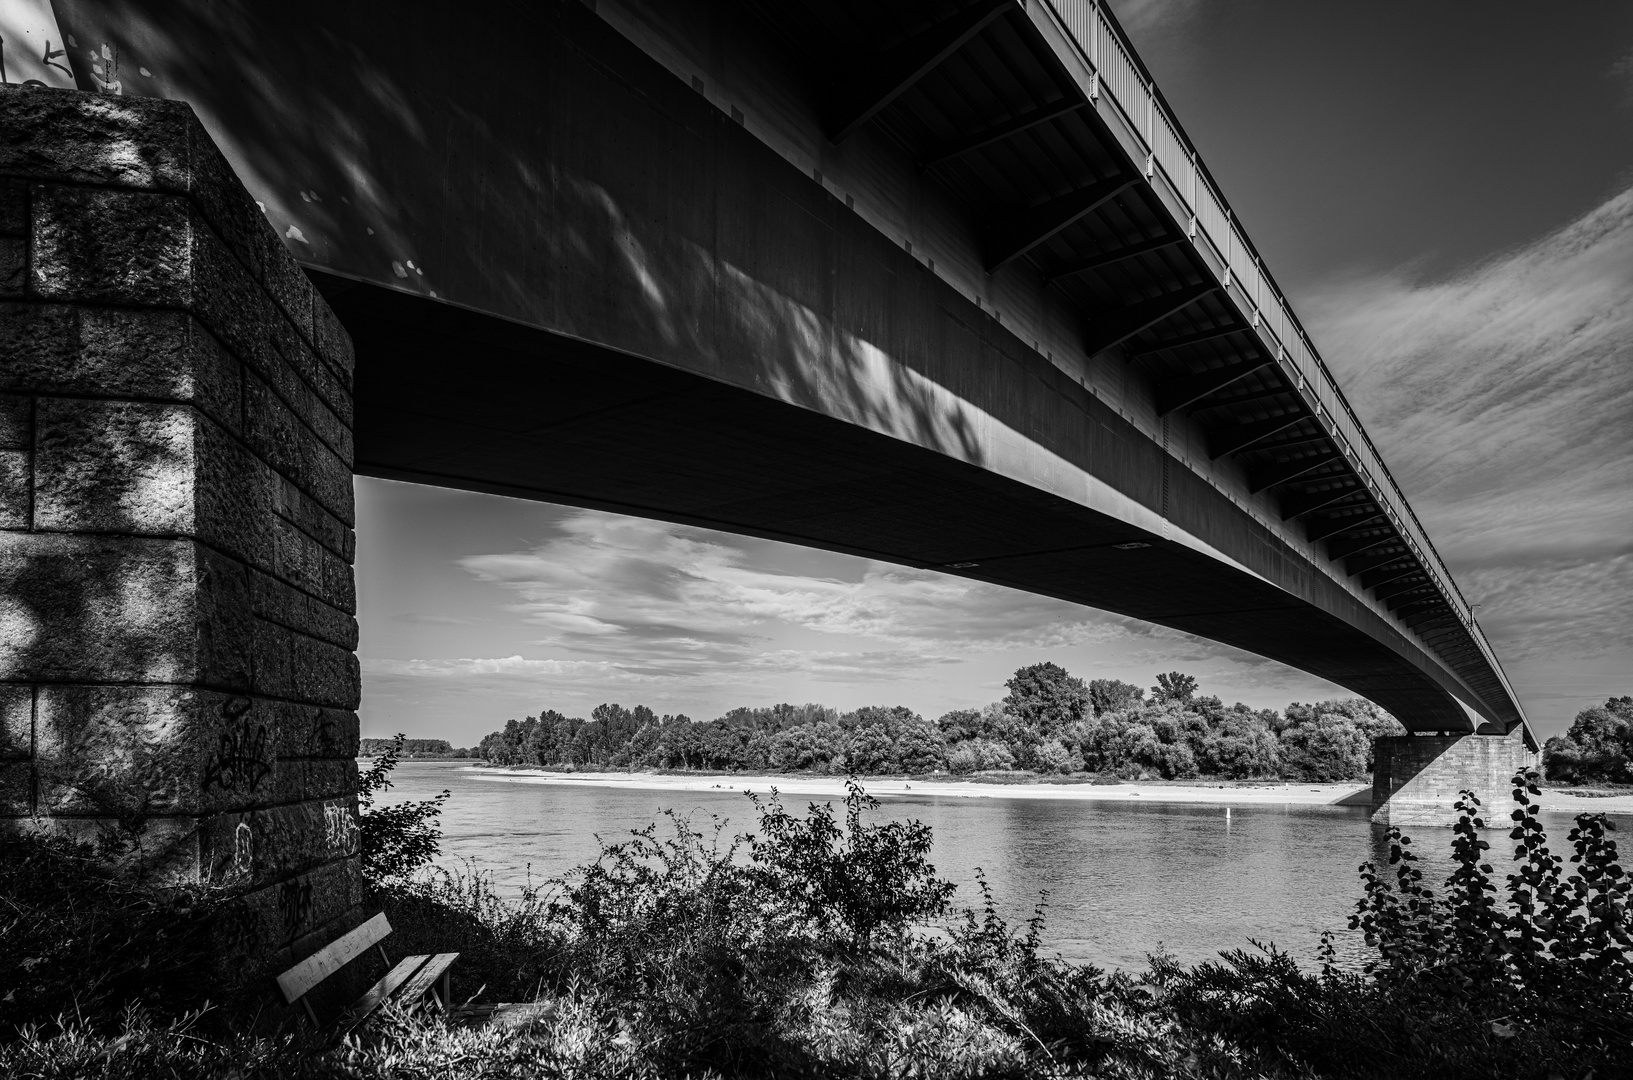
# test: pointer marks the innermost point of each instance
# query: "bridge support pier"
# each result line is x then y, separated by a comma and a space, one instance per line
1416, 778
178, 674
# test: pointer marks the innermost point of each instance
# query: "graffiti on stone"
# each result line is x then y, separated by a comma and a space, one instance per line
320, 737
243, 852
340, 830
244, 757
295, 904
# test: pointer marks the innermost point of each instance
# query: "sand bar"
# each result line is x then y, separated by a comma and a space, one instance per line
1237, 794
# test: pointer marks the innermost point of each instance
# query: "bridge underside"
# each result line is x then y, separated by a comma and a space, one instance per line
572, 276
539, 415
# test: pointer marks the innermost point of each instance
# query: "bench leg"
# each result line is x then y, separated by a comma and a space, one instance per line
311, 1013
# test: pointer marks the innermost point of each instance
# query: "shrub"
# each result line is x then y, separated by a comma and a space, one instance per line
1052, 757
792, 952
1460, 984
396, 841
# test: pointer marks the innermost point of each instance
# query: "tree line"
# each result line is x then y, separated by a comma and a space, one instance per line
416, 749
1598, 748
1049, 722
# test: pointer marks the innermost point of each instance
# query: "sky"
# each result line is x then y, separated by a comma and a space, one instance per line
1447, 201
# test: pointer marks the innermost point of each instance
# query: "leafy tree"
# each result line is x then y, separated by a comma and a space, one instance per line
980, 755
1052, 757
1114, 695
919, 747
1325, 748
1598, 748
862, 878
810, 747
1240, 744
870, 750
1174, 686
961, 724
1044, 698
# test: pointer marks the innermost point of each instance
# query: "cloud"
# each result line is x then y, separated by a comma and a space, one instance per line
1622, 71
1142, 17
667, 599
488, 666
1501, 399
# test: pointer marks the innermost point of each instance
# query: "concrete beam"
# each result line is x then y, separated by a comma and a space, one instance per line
1116, 327
1295, 504
1112, 258
1430, 611
1196, 338
1360, 564
1268, 476
956, 148
1343, 549
1243, 399
1013, 235
1420, 597
1177, 393
1240, 437
881, 80
1339, 523
1372, 579
1396, 582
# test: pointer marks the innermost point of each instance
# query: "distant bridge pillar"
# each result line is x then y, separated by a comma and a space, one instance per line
1416, 778
178, 672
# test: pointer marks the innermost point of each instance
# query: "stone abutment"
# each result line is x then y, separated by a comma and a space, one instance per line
178, 674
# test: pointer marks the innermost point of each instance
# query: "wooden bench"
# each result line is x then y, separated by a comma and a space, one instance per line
411, 980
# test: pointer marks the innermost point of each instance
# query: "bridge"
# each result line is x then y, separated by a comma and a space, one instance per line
935, 282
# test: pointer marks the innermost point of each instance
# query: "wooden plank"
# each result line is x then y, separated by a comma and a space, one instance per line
380, 991
332, 957
415, 988
508, 1015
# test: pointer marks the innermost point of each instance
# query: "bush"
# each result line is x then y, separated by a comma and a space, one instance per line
1460, 984
980, 755
1052, 757
396, 841
795, 951
83, 941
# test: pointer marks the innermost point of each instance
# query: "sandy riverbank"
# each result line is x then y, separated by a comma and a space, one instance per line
1228, 794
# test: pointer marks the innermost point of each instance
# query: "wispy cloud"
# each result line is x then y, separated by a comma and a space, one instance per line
1622, 72
496, 667
1502, 399
666, 599
1142, 17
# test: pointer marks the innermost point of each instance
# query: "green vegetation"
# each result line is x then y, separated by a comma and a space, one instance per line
417, 749
1050, 722
804, 948
1598, 748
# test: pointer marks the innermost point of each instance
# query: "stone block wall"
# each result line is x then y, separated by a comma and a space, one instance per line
178, 676
1416, 779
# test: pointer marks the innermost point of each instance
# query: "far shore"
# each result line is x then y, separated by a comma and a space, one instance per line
1021, 786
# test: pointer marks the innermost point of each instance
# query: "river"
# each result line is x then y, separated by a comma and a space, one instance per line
1123, 880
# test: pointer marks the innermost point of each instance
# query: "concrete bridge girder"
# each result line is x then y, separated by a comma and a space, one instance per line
674, 229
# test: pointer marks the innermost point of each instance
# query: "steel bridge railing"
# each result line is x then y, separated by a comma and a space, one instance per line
1172, 161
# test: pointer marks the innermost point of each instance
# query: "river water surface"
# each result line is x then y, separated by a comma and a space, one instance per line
1123, 880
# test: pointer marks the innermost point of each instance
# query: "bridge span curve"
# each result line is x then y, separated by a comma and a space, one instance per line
937, 282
